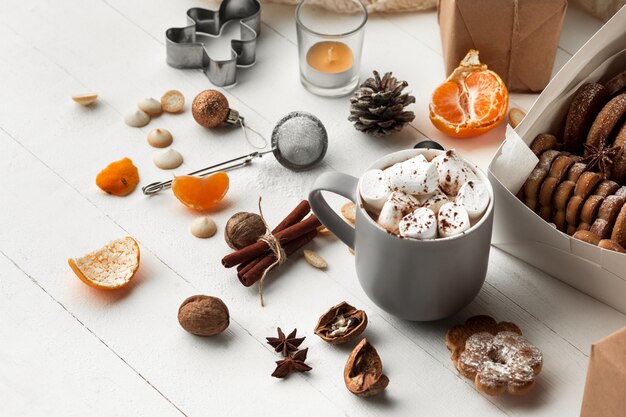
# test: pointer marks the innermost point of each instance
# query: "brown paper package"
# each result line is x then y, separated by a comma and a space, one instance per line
605, 389
516, 38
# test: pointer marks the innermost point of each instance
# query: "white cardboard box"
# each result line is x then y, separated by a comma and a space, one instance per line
522, 233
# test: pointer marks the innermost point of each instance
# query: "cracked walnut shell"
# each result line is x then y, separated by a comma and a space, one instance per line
341, 324
363, 373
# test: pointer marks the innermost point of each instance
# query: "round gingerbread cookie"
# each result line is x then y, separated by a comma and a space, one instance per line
618, 170
616, 83
590, 209
562, 194
584, 107
543, 142
601, 228
547, 191
576, 171
611, 245
587, 237
605, 122
606, 188
572, 213
532, 186
619, 229
586, 183
559, 220
546, 158
583, 226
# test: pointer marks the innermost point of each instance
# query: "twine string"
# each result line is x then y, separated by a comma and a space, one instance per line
275, 247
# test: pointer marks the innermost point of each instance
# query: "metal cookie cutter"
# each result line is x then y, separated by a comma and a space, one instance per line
185, 46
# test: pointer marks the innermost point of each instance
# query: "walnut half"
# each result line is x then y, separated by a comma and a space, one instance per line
341, 324
363, 373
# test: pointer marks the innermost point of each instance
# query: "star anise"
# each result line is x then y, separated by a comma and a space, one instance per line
291, 364
285, 344
599, 159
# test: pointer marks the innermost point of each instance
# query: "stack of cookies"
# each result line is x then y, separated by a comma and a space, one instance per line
579, 184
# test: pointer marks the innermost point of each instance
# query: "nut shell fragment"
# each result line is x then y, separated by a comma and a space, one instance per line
342, 323
203, 315
85, 99
314, 259
363, 374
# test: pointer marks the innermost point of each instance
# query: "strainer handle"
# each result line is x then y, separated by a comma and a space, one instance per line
338, 183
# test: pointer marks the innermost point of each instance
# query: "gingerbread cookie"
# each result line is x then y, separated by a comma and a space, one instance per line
585, 185
609, 210
587, 237
532, 186
584, 107
546, 158
543, 142
606, 188
611, 245
495, 355
605, 122
618, 234
618, 170
590, 209
576, 171
616, 83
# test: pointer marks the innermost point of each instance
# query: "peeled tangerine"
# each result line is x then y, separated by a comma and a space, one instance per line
110, 267
472, 101
201, 193
118, 178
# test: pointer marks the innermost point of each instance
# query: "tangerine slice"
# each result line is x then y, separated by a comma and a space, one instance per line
110, 267
201, 193
472, 101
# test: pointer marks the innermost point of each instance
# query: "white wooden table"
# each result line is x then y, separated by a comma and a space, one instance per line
69, 350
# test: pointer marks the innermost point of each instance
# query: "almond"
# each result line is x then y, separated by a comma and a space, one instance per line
314, 259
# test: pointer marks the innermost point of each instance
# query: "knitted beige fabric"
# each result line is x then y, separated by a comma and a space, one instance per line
348, 6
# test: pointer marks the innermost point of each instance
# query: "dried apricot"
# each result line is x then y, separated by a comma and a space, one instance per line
201, 193
118, 178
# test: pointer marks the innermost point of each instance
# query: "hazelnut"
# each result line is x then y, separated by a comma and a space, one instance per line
203, 315
363, 373
243, 229
341, 324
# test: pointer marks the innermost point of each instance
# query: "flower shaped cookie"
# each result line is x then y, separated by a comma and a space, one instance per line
495, 355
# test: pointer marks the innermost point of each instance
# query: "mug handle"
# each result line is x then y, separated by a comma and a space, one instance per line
343, 184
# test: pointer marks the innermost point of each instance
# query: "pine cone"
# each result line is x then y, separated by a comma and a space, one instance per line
377, 106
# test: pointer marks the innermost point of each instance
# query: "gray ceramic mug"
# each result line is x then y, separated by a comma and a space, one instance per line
411, 279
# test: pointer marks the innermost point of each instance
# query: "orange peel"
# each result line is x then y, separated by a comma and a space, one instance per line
111, 267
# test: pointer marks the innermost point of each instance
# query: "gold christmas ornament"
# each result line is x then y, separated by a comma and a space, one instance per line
210, 109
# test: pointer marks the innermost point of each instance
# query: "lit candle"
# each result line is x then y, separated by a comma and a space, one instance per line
330, 57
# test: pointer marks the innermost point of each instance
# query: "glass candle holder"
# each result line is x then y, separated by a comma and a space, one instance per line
329, 47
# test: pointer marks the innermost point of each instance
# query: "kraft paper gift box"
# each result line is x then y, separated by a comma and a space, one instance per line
518, 230
516, 38
605, 389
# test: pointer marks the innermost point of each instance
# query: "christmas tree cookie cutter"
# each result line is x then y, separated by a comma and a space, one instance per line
185, 46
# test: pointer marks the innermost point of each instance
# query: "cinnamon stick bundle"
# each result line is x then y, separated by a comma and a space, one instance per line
259, 248
256, 272
297, 214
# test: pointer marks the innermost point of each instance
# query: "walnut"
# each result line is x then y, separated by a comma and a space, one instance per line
341, 324
243, 229
203, 315
363, 373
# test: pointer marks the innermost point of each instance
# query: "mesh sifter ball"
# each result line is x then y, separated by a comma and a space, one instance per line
299, 142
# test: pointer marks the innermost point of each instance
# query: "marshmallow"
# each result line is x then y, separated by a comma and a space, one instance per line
374, 189
420, 224
453, 220
395, 208
474, 196
413, 176
436, 200
452, 171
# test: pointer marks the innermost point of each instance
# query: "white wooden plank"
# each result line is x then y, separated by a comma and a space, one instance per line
52, 365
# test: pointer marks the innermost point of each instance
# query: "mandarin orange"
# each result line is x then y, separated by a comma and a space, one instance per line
472, 101
201, 193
